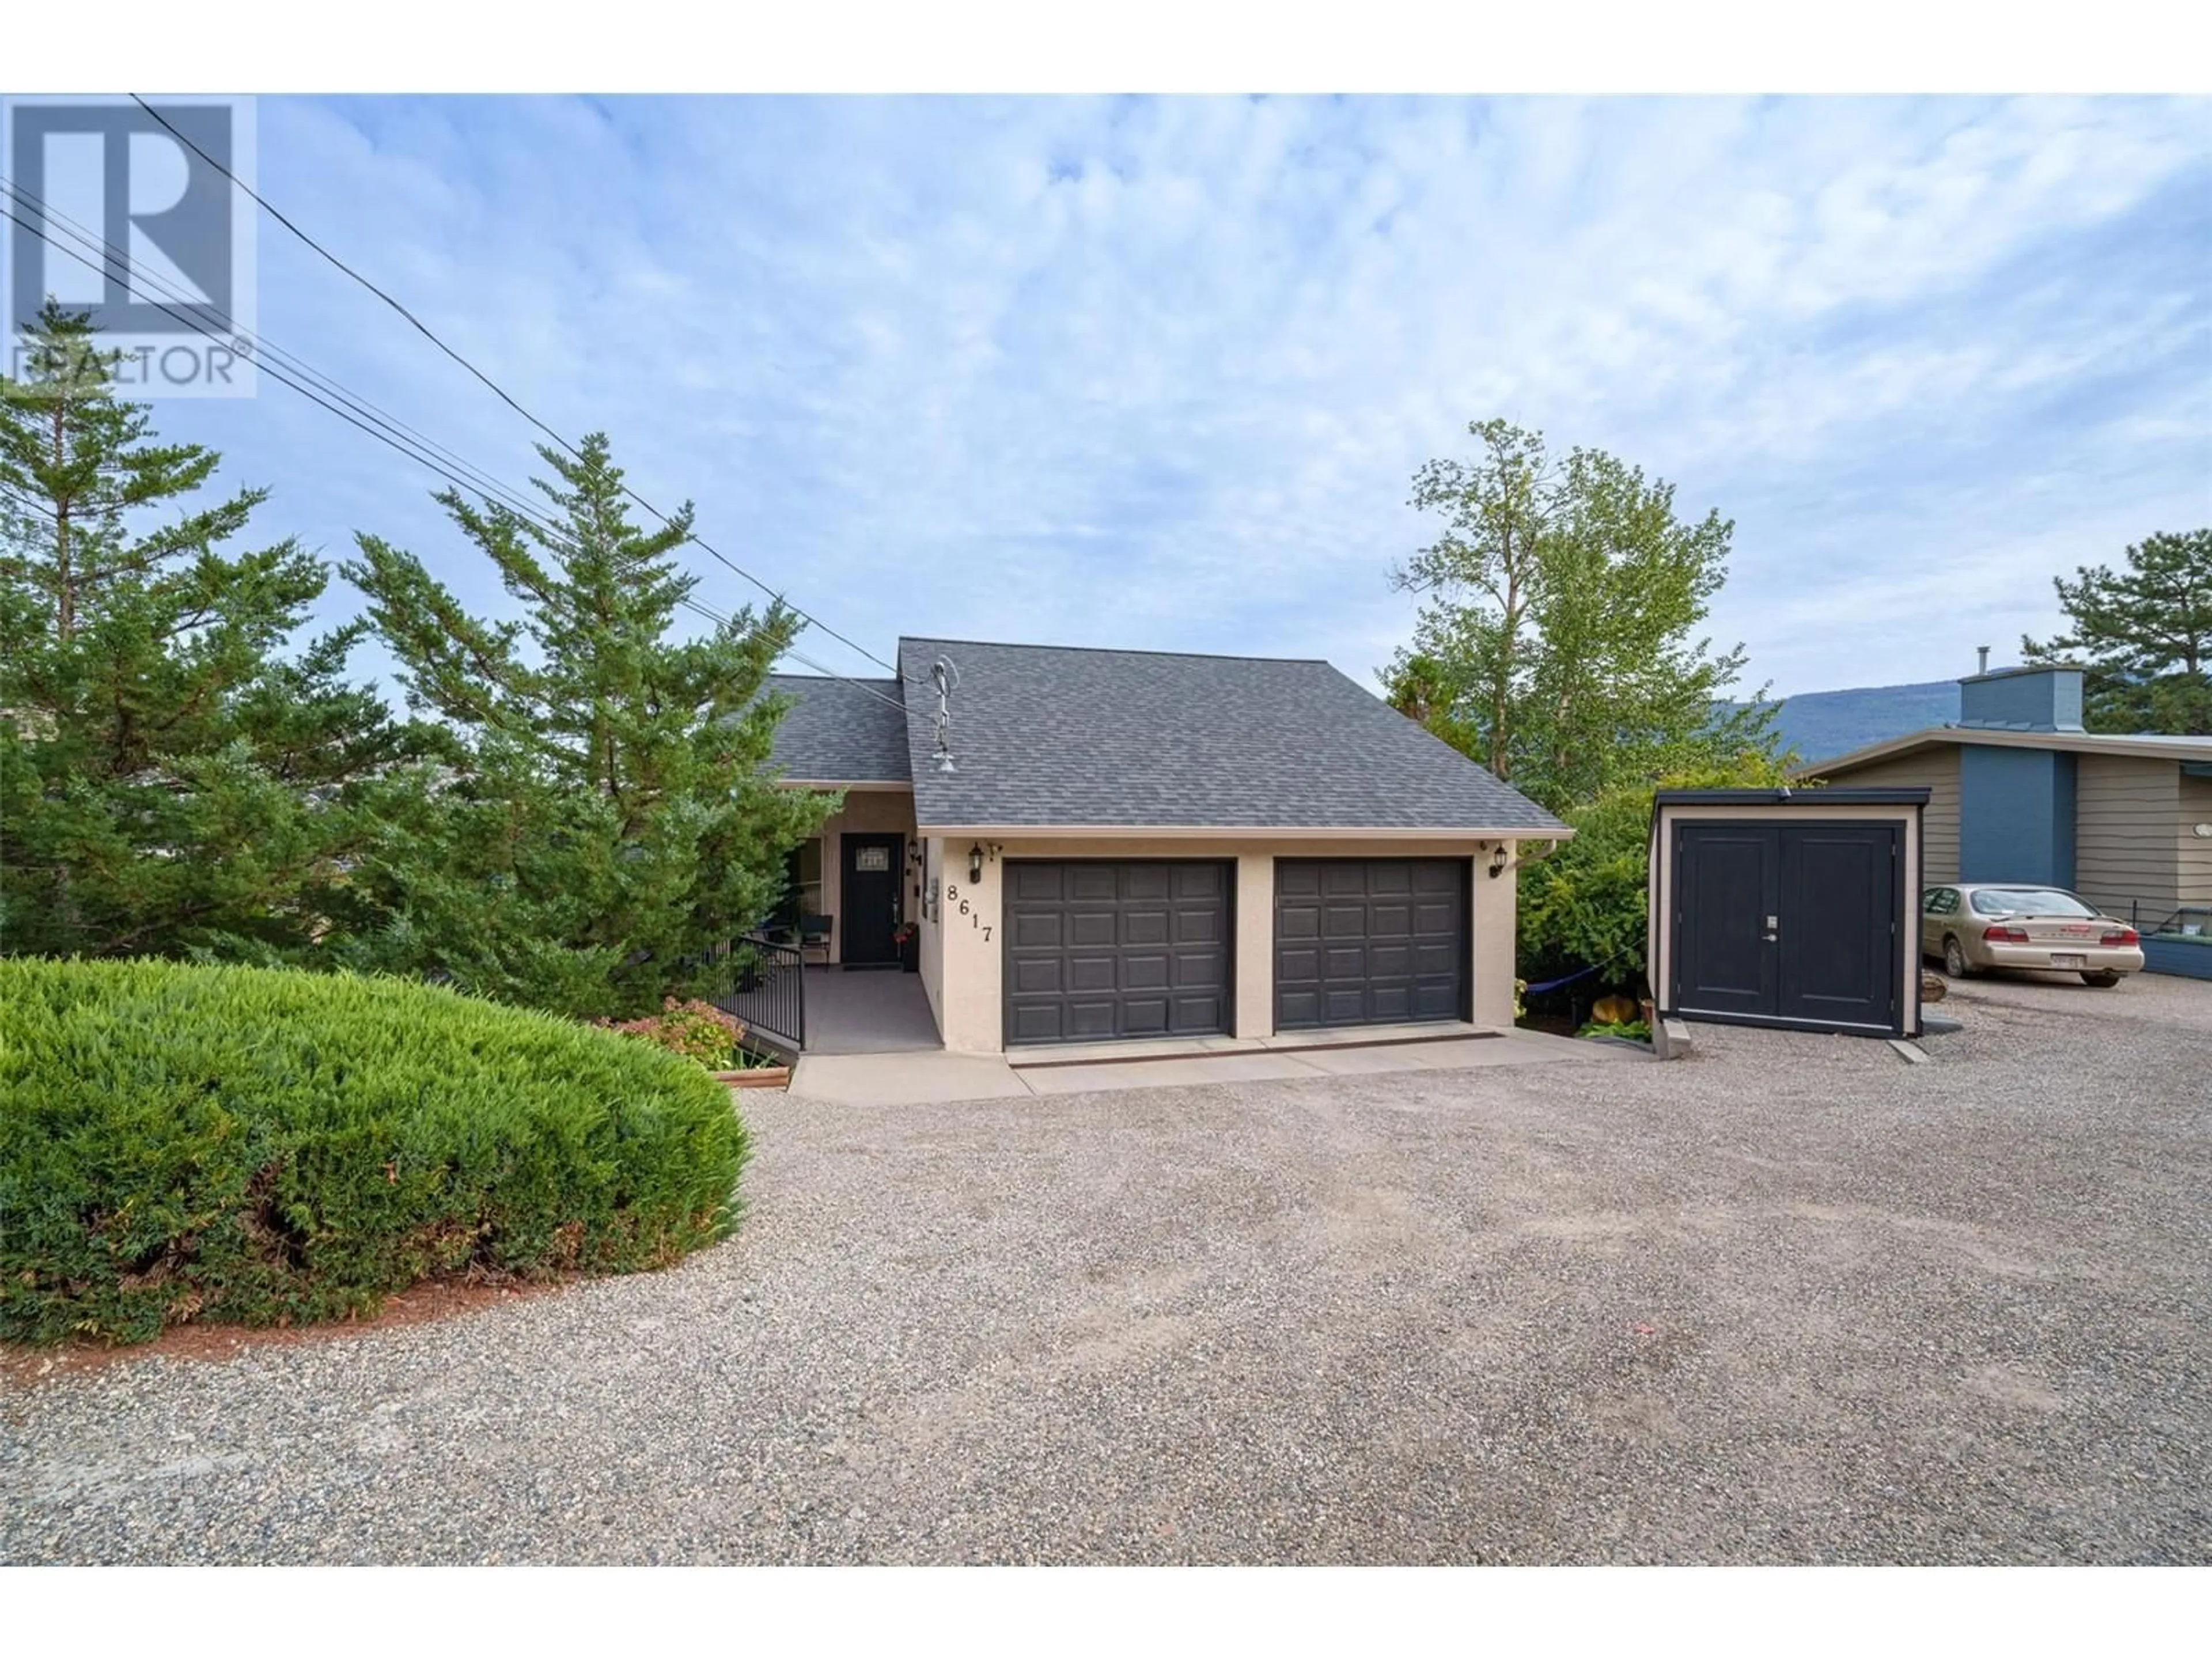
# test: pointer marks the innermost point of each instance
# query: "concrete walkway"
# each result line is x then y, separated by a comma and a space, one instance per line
927, 1078
867, 1011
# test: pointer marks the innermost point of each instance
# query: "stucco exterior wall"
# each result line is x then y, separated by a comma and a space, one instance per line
969, 1007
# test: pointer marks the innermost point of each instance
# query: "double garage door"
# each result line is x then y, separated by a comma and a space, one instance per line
1097, 948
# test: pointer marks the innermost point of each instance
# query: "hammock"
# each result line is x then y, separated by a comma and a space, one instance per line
1554, 984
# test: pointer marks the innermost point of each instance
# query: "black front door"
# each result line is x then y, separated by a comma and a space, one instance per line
869, 900
1793, 922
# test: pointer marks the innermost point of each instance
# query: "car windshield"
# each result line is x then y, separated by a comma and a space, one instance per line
2028, 902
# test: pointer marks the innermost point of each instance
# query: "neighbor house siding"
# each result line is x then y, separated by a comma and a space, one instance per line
2124, 850
1936, 768
2193, 877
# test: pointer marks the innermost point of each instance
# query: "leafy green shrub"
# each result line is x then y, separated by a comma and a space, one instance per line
697, 1031
1634, 1030
264, 1146
1583, 906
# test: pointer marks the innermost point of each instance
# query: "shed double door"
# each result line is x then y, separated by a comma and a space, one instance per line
1793, 922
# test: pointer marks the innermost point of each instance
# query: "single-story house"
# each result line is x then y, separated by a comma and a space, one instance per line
2018, 792
1101, 844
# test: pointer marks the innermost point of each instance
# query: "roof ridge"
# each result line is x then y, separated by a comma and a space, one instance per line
1110, 650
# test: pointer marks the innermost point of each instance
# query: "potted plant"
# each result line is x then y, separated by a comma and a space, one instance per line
908, 937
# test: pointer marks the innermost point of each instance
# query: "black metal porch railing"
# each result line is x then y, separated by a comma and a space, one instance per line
768, 989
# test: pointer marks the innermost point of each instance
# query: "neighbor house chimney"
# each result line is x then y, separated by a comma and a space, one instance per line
1983, 667
2038, 699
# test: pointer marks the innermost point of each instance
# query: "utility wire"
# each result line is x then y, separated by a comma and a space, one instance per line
413, 445
500, 391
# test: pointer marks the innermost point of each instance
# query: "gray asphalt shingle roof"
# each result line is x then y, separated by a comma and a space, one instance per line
1048, 736
836, 732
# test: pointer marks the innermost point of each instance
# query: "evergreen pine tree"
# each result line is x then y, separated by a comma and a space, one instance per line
2144, 635
606, 822
170, 783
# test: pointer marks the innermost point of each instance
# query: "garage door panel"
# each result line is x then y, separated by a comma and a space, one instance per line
1142, 882
1090, 1019
1201, 970
1144, 927
1433, 959
1433, 1001
1031, 882
1104, 949
1387, 941
1391, 1004
1389, 959
1094, 883
1039, 1022
1344, 1008
1039, 975
1390, 920
1343, 921
1087, 973
1194, 924
1143, 1017
1147, 972
1343, 876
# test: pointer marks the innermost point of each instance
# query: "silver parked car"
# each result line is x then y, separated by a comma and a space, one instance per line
1979, 925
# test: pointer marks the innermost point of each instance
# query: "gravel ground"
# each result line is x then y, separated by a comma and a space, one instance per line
1789, 1300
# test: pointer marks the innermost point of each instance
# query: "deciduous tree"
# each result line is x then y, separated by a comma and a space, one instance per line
1558, 644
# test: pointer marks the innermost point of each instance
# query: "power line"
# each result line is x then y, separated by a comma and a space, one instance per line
430, 335
414, 445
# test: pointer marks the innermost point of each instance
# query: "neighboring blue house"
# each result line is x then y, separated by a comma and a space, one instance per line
2019, 792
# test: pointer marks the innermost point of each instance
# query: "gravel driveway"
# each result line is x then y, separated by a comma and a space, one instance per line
1789, 1300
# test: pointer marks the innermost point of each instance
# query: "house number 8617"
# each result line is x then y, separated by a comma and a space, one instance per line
952, 897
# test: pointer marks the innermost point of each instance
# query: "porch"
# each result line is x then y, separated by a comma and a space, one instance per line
795, 1009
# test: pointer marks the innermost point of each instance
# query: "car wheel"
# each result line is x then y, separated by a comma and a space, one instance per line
2104, 979
1954, 958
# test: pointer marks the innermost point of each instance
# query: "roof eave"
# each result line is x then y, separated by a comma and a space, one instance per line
1240, 832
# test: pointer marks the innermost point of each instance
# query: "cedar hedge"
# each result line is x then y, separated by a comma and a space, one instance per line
266, 1146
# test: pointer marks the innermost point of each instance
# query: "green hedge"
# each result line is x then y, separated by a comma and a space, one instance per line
263, 1146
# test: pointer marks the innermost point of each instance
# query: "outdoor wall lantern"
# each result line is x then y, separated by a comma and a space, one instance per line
976, 862
1498, 858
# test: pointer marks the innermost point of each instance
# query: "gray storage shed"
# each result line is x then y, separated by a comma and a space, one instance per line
1798, 909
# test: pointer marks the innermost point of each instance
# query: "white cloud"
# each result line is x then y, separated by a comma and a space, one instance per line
1157, 372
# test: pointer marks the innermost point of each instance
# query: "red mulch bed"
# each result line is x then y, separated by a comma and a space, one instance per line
419, 1305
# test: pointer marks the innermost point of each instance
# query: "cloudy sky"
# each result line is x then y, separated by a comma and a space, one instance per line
1157, 373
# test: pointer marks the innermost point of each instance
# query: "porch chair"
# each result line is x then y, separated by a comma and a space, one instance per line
813, 935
